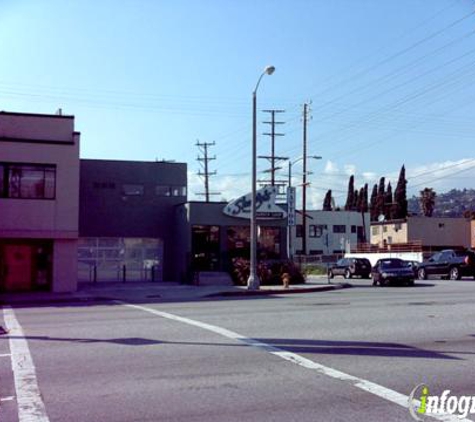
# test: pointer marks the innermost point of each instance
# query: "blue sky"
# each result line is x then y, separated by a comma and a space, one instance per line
390, 83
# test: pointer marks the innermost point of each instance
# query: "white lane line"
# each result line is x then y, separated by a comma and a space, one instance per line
9, 398
5, 355
365, 385
30, 404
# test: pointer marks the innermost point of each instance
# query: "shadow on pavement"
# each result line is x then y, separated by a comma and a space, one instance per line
355, 348
299, 346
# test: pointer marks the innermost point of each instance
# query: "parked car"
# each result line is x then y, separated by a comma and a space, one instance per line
350, 267
414, 265
449, 263
392, 270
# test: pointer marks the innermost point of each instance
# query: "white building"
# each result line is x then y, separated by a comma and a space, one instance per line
39, 202
330, 232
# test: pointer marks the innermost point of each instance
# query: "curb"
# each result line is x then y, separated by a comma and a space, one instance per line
267, 292
48, 301
52, 301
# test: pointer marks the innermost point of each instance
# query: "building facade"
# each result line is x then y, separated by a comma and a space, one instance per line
126, 219
209, 240
330, 232
39, 202
432, 233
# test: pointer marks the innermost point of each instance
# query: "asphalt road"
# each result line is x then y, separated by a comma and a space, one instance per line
200, 361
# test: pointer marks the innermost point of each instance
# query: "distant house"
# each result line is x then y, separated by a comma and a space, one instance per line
39, 202
432, 233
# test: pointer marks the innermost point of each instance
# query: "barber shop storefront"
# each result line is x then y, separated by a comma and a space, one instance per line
211, 238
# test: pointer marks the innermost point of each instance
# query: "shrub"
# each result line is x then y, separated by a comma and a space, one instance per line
269, 272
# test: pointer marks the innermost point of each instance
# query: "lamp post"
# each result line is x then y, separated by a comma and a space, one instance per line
253, 281
289, 230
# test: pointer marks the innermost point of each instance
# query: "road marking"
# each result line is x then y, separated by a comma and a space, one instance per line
365, 385
5, 355
30, 404
9, 398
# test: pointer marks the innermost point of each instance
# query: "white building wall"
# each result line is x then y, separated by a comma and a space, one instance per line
329, 242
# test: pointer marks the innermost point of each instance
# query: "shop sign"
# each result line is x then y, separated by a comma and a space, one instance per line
291, 206
266, 208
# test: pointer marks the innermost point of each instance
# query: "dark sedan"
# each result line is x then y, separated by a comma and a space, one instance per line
392, 270
350, 267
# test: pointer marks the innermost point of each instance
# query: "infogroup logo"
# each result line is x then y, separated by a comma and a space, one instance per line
422, 404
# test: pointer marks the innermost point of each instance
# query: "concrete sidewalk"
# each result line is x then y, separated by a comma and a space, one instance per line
162, 292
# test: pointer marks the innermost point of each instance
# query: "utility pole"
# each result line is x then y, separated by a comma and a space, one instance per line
304, 181
206, 174
273, 134
272, 158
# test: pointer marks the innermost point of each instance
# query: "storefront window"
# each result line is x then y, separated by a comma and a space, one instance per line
205, 248
268, 244
238, 241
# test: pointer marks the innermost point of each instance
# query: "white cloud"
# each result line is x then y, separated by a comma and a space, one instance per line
441, 176
330, 168
228, 187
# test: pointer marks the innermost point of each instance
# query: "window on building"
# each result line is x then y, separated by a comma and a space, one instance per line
299, 230
353, 229
162, 190
316, 252
133, 190
178, 190
385, 229
167, 190
339, 228
316, 230
27, 181
375, 230
104, 185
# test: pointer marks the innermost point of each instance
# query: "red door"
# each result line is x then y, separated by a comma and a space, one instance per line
18, 268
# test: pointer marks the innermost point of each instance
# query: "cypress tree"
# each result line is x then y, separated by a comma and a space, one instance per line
327, 202
360, 205
380, 198
388, 201
372, 203
400, 196
351, 194
356, 198
364, 207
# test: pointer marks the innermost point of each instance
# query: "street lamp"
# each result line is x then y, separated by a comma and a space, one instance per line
289, 232
253, 281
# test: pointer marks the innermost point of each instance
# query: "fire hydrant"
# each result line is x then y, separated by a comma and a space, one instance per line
286, 280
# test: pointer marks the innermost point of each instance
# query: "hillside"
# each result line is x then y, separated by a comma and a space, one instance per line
450, 204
